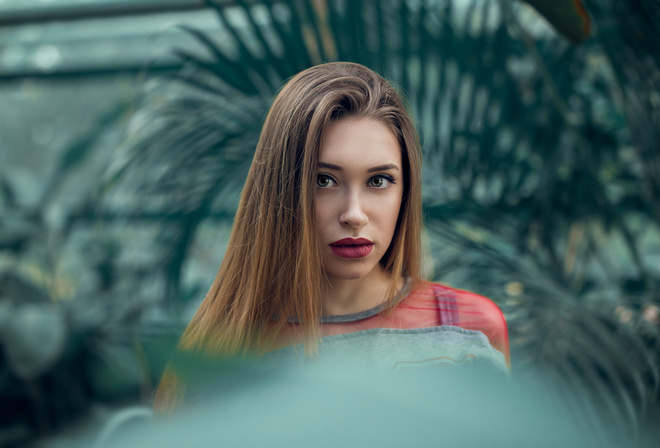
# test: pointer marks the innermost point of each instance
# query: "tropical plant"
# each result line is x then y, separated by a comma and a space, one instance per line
540, 168
533, 195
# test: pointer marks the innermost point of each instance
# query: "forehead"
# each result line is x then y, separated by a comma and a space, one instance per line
359, 143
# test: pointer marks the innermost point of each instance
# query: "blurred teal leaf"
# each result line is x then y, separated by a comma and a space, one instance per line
335, 404
34, 339
114, 371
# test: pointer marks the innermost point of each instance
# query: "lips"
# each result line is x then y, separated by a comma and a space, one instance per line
352, 247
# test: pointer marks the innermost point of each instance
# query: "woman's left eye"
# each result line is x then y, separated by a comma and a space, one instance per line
380, 181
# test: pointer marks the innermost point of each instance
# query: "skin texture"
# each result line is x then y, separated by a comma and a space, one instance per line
358, 195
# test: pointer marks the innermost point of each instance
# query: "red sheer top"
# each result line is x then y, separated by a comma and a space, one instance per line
431, 305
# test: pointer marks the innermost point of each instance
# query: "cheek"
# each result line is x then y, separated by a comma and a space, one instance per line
385, 214
323, 211
392, 208
393, 216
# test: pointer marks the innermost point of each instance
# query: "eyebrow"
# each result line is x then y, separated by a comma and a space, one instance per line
370, 170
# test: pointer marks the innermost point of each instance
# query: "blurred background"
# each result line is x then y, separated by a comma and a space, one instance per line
127, 128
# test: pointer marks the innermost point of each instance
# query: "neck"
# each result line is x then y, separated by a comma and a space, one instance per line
347, 296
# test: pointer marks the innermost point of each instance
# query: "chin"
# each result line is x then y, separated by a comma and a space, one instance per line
346, 276
348, 273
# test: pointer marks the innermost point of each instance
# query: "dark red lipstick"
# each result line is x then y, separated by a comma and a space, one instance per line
352, 247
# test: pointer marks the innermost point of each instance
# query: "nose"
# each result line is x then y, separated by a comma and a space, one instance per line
354, 213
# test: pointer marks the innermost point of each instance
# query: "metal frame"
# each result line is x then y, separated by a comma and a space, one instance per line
116, 8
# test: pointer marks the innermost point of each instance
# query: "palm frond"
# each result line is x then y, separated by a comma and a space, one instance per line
524, 185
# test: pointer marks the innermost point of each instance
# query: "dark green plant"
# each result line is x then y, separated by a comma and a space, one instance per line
539, 165
527, 201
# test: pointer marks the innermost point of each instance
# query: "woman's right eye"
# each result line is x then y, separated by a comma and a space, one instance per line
324, 181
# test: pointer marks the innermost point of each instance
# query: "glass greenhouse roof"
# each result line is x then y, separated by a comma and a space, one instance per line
69, 38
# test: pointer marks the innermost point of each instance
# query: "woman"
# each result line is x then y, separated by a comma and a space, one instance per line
326, 243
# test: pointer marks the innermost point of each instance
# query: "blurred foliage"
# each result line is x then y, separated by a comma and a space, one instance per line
334, 403
542, 187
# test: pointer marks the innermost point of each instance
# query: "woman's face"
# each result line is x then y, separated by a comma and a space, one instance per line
359, 188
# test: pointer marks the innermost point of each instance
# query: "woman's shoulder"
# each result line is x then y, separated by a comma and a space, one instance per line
467, 301
473, 311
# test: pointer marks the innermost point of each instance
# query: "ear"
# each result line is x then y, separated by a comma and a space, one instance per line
569, 17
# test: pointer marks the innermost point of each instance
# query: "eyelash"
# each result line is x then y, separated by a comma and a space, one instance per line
387, 177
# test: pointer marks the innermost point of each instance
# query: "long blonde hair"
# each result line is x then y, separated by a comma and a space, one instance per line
272, 269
